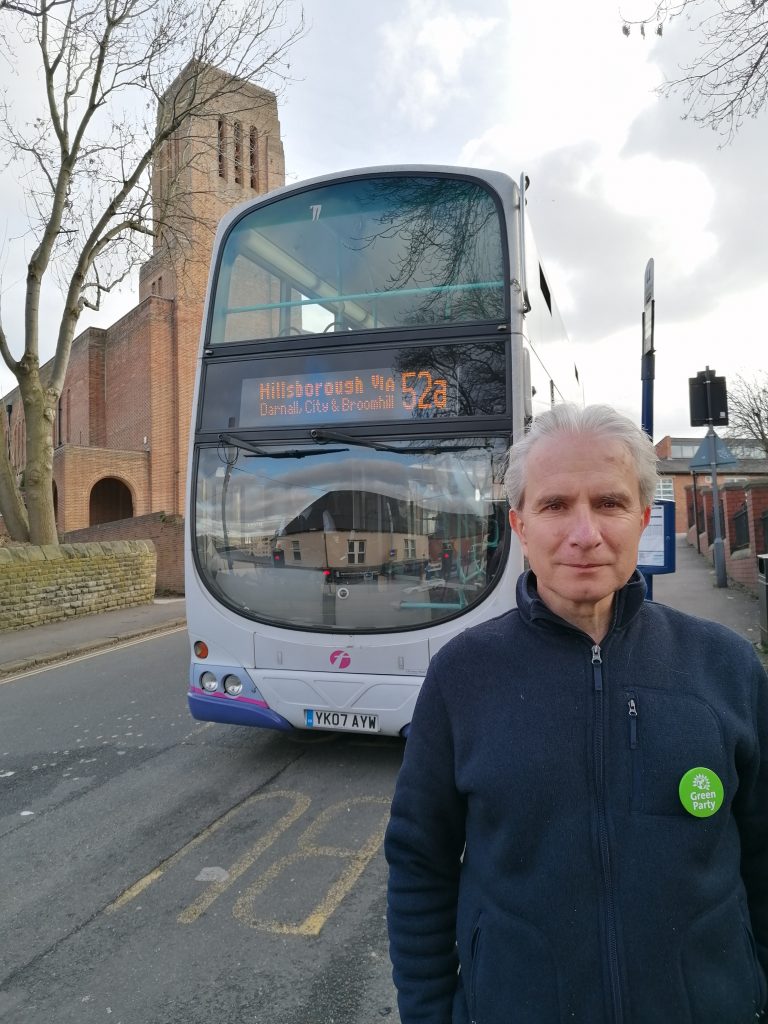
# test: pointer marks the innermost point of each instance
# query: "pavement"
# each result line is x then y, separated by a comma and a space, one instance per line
691, 588
24, 649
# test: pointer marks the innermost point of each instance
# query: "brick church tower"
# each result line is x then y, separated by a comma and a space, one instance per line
229, 152
121, 434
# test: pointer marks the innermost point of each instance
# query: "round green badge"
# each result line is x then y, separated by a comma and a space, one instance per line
701, 792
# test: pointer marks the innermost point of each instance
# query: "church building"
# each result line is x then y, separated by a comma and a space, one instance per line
121, 434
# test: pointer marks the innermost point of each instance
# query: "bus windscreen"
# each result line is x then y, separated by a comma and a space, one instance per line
394, 251
347, 538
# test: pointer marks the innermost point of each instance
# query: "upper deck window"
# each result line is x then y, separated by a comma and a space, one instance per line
388, 252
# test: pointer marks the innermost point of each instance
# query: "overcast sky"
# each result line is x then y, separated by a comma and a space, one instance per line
556, 90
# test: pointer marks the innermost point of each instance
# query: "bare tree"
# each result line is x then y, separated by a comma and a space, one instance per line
748, 409
118, 78
728, 81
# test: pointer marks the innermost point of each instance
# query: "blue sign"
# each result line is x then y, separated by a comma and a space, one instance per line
703, 457
657, 543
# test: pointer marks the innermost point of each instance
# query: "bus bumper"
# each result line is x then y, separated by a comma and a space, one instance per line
234, 711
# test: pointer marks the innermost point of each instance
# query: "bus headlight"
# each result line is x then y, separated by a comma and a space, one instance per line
209, 682
233, 686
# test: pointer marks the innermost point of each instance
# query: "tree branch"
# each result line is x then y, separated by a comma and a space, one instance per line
5, 352
728, 81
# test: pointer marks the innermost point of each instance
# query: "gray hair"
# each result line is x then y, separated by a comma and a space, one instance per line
595, 421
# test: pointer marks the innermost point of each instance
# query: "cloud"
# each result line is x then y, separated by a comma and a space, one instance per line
671, 202
570, 77
425, 53
736, 177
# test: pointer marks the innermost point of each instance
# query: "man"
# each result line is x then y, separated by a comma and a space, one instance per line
580, 828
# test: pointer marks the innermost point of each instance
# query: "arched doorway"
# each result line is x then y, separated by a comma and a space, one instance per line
110, 499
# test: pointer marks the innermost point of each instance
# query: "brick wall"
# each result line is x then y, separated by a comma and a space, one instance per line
82, 397
757, 506
77, 470
740, 565
165, 532
128, 373
55, 582
681, 512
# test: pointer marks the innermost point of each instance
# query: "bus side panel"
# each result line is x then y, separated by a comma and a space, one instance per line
553, 367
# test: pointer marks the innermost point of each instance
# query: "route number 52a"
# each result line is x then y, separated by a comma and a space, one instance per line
421, 391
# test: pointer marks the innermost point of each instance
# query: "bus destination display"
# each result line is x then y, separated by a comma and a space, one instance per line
375, 386
372, 394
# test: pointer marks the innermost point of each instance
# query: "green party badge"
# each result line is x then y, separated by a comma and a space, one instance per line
701, 792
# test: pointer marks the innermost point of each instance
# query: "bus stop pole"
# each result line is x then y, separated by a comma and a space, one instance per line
648, 371
647, 375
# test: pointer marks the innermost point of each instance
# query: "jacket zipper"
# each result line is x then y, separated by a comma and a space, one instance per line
605, 858
632, 711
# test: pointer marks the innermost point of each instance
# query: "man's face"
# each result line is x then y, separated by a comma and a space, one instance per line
581, 522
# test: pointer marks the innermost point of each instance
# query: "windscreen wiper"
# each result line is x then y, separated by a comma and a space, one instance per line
321, 436
295, 453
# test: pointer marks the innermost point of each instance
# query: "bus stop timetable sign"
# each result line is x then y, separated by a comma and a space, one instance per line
657, 543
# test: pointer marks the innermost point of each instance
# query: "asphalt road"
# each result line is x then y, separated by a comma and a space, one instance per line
156, 870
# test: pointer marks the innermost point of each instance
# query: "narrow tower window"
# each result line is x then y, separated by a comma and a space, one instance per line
238, 132
253, 154
221, 145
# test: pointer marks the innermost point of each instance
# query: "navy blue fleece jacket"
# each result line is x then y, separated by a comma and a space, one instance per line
542, 867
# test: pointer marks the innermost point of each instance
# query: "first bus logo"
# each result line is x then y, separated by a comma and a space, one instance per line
340, 659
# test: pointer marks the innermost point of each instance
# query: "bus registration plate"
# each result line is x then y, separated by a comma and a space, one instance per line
346, 721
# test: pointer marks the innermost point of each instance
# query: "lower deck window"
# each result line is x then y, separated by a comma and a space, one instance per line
278, 539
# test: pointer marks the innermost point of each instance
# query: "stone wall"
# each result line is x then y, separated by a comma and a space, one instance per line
166, 534
55, 582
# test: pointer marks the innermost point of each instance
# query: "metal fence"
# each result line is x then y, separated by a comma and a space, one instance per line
701, 520
740, 529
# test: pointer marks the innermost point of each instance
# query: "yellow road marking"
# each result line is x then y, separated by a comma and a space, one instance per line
201, 904
143, 883
359, 859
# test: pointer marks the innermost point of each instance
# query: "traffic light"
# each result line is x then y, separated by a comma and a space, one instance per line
278, 557
446, 561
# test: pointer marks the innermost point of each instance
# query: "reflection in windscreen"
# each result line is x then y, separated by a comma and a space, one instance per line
393, 251
351, 539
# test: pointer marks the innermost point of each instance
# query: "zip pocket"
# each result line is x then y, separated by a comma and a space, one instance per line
757, 973
633, 740
662, 735
474, 951
632, 715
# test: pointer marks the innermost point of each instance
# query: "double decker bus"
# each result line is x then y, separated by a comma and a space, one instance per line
372, 343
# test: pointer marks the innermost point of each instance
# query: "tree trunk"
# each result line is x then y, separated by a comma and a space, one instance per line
11, 505
38, 474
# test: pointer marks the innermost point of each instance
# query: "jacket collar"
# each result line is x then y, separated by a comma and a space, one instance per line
627, 603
